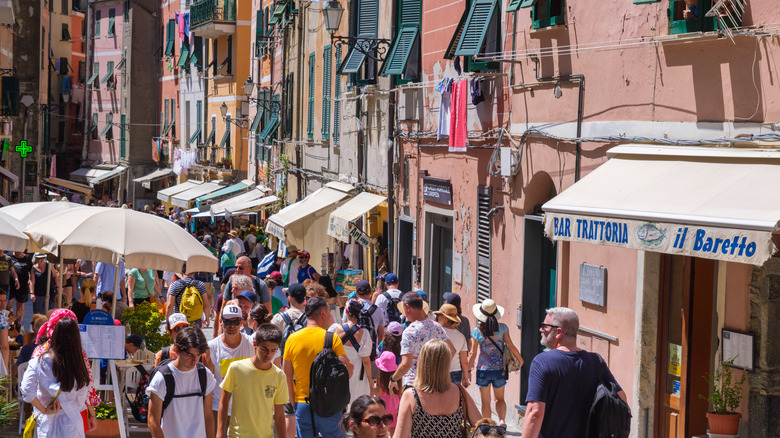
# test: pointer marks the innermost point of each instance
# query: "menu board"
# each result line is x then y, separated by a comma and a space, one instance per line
103, 341
738, 347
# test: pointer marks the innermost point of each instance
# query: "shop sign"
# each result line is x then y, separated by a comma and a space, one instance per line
437, 190
734, 245
359, 236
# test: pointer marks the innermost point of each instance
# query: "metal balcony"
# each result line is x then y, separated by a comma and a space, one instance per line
213, 18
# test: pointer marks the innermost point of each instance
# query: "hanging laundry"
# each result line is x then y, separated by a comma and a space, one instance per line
457, 66
476, 91
444, 87
155, 151
180, 21
186, 25
459, 116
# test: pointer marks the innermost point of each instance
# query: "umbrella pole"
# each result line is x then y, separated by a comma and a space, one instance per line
116, 290
62, 277
47, 273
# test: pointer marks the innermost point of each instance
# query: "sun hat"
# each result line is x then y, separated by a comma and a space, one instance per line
395, 328
386, 362
233, 233
401, 309
231, 311
176, 320
487, 307
450, 312
391, 278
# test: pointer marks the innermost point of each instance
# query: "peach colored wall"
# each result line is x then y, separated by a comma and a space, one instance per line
169, 79
738, 276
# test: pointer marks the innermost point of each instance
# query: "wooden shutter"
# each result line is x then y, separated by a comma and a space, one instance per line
484, 241
326, 79
402, 48
337, 103
310, 121
476, 27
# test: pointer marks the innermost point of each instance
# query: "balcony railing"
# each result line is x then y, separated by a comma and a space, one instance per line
212, 10
214, 156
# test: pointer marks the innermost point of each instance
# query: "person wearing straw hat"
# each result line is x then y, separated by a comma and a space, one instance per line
488, 341
448, 318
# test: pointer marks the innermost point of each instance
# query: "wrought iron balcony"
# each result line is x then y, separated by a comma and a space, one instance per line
213, 18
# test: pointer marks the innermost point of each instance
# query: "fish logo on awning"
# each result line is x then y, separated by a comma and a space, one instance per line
651, 235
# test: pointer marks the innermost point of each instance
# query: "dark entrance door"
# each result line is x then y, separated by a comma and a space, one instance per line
440, 273
405, 254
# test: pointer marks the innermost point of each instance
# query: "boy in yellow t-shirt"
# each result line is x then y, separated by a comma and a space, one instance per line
259, 388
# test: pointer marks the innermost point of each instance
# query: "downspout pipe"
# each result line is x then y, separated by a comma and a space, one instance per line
391, 160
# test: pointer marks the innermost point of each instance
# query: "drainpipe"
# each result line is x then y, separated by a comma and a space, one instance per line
359, 137
298, 155
88, 66
390, 159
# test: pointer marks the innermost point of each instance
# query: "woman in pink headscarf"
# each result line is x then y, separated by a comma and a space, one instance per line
90, 421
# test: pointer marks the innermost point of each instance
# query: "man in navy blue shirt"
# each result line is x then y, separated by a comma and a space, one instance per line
562, 381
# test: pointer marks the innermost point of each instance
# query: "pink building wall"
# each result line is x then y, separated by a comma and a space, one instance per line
169, 79
106, 49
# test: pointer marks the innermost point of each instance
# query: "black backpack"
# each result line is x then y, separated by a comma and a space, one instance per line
366, 322
140, 403
328, 383
392, 308
170, 383
290, 328
610, 416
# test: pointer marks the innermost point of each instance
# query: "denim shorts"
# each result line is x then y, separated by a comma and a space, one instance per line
456, 377
486, 378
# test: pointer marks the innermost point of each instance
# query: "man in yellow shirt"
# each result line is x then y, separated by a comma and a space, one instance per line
260, 391
299, 352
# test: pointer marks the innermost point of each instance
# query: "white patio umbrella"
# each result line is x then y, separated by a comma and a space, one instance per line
107, 235
29, 212
11, 236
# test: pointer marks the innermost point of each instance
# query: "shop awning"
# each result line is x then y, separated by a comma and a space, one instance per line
250, 206
87, 174
4, 202
717, 203
302, 224
164, 195
147, 179
339, 221
225, 191
59, 184
118, 170
184, 198
250, 195
7, 174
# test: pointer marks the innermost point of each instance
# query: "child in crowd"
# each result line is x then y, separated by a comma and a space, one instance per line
387, 365
392, 340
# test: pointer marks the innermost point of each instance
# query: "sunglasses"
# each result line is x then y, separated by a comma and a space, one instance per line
544, 325
231, 322
486, 429
374, 420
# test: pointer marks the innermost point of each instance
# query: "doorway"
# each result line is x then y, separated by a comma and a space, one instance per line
405, 254
539, 285
685, 342
440, 258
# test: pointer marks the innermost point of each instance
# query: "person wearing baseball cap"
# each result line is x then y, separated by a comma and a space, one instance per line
388, 300
246, 299
465, 325
174, 324
306, 271
447, 317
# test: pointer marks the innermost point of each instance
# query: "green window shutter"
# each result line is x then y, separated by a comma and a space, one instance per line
185, 54
450, 53
10, 96
197, 52
337, 103
402, 48
93, 128
173, 117
411, 12
198, 114
171, 35
109, 74
259, 32
122, 136
111, 19
166, 125
95, 73
281, 5
518, 4
107, 129
98, 16
355, 58
270, 127
476, 28
368, 15
326, 79
531, 3
310, 121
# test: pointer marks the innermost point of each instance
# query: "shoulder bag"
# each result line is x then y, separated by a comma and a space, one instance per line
467, 428
32, 421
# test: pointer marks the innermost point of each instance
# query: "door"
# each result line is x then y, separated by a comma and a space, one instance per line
685, 345
539, 283
405, 254
440, 273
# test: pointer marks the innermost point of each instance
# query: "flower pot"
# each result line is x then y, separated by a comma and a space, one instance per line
724, 424
105, 429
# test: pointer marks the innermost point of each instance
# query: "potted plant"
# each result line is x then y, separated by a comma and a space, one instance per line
107, 422
145, 321
725, 397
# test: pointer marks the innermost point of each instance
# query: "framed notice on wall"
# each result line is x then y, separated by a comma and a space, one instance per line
737, 346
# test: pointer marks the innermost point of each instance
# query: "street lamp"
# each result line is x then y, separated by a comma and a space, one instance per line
332, 13
374, 48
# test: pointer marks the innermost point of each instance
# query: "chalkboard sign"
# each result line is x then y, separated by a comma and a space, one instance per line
593, 284
437, 190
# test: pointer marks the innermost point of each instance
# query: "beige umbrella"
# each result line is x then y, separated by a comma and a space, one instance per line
107, 235
29, 212
11, 236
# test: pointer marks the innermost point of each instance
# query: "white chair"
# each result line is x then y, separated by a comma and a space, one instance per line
21, 369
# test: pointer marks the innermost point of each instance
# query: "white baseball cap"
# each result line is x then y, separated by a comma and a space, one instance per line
176, 320
232, 311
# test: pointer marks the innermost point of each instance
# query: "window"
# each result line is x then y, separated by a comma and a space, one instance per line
95, 73
83, 30
259, 33
126, 11
271, 125
337, 103
98, 16
228, 62
170, 37
122, 137
197, 54
225, 143
310, 121
696, 21
279, 10
65, 7
288, 105
406, 43
82, 73
9, 105
65, 32
64, 67
366, 27
111, 19
166, 125
214, 49
185, 54
195, 137
173, 118
108, 79
546, 13
93, 128
108, 130
477, 33
484, 240
326, 79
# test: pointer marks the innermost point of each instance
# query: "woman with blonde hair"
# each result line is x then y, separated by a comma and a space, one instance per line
84, 304
434, 407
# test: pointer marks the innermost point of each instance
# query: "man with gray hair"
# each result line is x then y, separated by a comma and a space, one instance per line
562, 381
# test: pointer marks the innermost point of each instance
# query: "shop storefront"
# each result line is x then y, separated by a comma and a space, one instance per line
686, 235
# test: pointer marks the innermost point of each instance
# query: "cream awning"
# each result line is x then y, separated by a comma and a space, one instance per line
339, 220
165, 194
183, 199
59, 184
250, 206
115, 172
718, 203
147, 179
250, 195
87, 174
302, 224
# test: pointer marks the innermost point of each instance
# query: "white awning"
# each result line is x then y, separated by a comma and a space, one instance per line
59, 185
250, 206
4, 202
146, 180
301, 225
165, 194
118, 170
718, 203
87, 174
7, 174
184, 198
339, 221
250, 195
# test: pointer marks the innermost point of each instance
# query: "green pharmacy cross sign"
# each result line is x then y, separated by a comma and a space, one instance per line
23, 148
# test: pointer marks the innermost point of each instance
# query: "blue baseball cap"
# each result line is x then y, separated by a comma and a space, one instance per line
249, 295
363, 285
422, 294
391, 278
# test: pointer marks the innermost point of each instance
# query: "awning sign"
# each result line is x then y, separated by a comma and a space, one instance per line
734, 245
359, 236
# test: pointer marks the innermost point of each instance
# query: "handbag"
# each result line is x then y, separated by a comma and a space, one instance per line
511, 362
32, 421
467, 428
153, 297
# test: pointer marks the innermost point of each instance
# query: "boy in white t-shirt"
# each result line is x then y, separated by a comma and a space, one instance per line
260, 391
448, 318
188, 412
